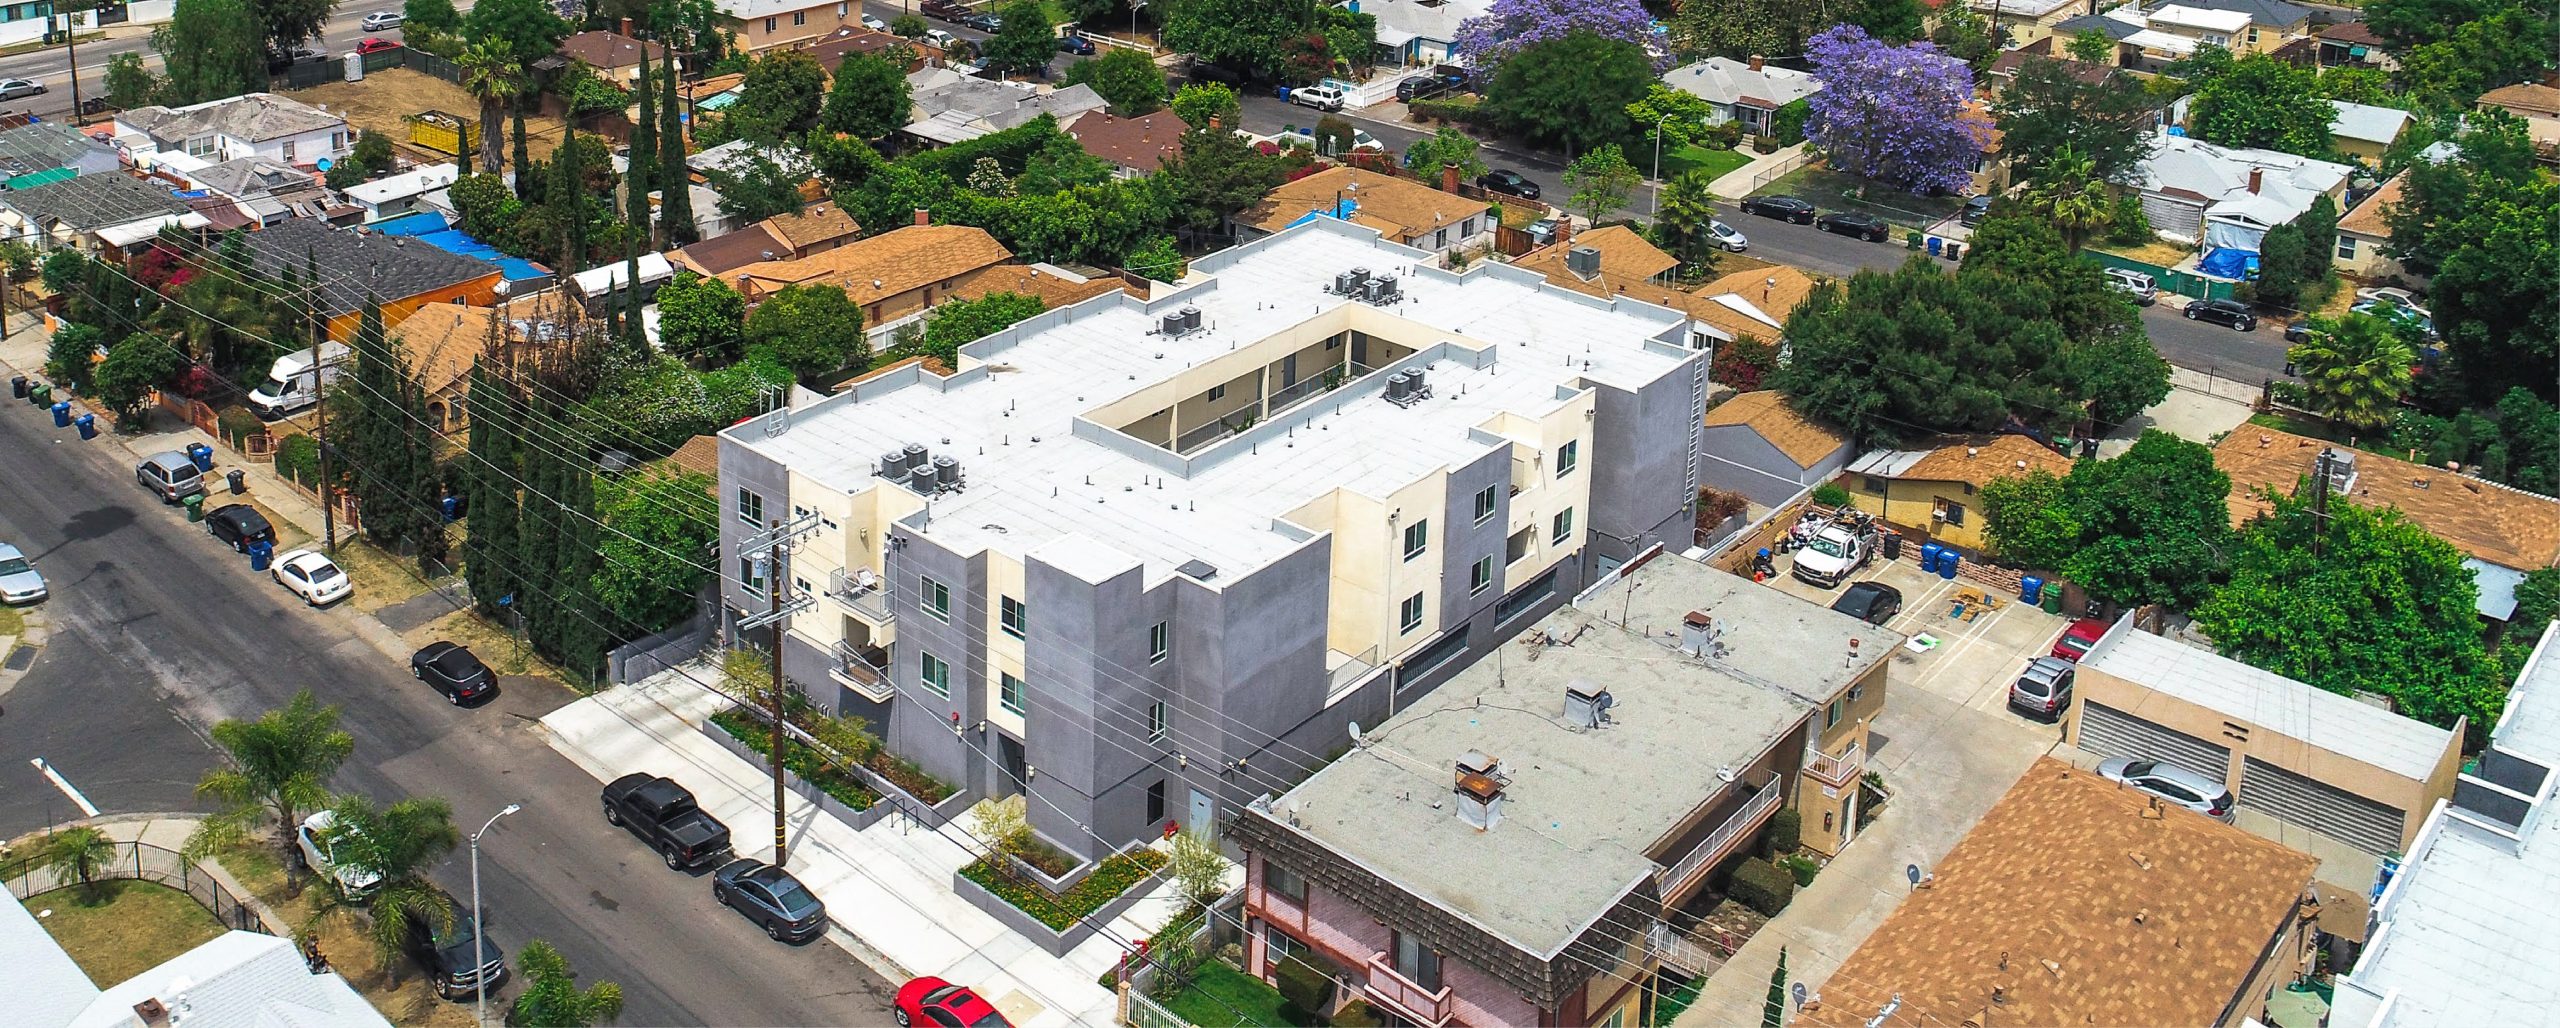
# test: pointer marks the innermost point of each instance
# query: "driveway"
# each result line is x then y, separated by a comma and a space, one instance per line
1973, 661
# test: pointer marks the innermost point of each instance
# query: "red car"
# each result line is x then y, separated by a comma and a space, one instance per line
375, 45
933, 1001
2077, 639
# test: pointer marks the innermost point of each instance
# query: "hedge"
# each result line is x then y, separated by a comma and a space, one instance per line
238, 424
1759, 884
1464, 110
1305, 988
1109, 879
1785, 834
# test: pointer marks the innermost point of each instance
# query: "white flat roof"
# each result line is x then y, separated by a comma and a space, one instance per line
1035, 477
2325, 719
46, 989
403, 185
2200, 18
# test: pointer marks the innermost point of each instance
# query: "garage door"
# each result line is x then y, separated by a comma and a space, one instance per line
2109, 732
2366, 824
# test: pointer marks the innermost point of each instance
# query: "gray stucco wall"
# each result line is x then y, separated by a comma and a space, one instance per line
1088, 687
920, 722
1737, 459
1641, 492
740, 468
1462, 540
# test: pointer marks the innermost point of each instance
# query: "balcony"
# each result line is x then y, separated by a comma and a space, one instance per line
1410, 1001
1838, 772
859, 669
1730, 820
862, 593
1345, 672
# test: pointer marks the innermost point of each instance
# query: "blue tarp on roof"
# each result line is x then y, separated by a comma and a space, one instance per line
2230, 263
429, 227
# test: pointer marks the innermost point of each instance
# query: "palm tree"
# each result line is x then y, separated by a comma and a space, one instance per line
551, 997
1687, 208
2068, 192
77, 855
491, 75
2354, 369
398, 842
275, 766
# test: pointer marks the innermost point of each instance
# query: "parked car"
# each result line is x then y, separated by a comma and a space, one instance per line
2409, 319
1322, 98
453, 671
455, 959
2076, 639
2297, 332
93, 105
2135, 284
1728, 237
2200, 793
983, 22
310, 574
1851, 223
664, 815
932, 1001
1212, 71
1976, 208
19, 582
1075, 43
11, 89
2393, 295
1784, 208
939, 39
1360, 139
1430, 85
873, 22
317, 837
2043, 690
945, 10
375, 45
240, 526
170, 474
770, 897
1872, 602
2233, 313
381, 21
1505, 180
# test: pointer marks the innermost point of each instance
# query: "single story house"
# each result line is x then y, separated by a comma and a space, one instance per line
251, 125
951, 107
597, 286
2364, 131
854, 40
396, 272
394, 195
234, 978
443, 341
2353, 44
2026, 21
2228, 197
2201, 26
1133, 146
2271, 25
1758, 446
2289, 752
1402, 210
819, 227
32, 155
2004, 68
615, 57
1933, 490
900, 274
756, 26
96, 214
265, 191
2364, 234
2077, 901
2538, 103
1423, 32
1749, 92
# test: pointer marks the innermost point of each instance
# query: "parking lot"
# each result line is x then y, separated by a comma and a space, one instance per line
1973, 660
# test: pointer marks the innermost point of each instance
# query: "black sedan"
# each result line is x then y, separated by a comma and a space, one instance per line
1872, 602
986, 23
1784, 208
240, 526
1505, 180
1850, 223
770, 897
1075, 44
454, 672
2233, 313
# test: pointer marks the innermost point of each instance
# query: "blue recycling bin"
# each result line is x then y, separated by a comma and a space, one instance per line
202, 455
1947, 561
2030, 589
451, 507
1934, 244
62, 414
260, 554
87, 424
1929, 557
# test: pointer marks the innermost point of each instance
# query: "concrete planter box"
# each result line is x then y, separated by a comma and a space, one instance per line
930, 815
820, 798
1056, 943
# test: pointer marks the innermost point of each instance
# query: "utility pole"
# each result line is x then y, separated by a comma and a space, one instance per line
771, 551
320, 393
71, 46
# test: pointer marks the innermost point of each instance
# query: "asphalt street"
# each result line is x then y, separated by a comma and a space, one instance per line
158, 631
53, 65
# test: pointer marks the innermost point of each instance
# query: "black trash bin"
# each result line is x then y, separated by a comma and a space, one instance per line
239, 481
1892, 544
18, 387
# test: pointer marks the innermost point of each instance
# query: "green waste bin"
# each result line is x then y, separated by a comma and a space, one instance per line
2052, 601
41, 396
195, 506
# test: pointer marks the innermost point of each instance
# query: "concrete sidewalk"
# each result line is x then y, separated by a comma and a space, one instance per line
1738, 183
889, 885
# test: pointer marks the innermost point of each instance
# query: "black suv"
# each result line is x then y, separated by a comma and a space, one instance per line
454, 959
240, 526
1784, 208
1421, 86
1851, 223
454, 672
2224, 312
770, 897
1505, 180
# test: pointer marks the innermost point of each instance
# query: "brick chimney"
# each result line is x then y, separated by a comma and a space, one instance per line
1757, 61
924, 216
1564, 229
626, 26
2256, 177
1448, 178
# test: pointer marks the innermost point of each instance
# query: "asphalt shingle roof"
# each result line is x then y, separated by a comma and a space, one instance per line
43, 145
93, 201
356, 266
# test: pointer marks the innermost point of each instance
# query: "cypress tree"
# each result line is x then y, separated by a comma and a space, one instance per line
528, 184
489, 548
369, 437
580, 635
675, 206
568, 196
537, 548
638, 171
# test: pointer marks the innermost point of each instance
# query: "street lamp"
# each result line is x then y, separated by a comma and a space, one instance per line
479, 940
1653, 204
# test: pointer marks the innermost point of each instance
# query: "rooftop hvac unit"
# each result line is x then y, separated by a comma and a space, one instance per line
1170, 324
916, 457
946, 473
1399, 387
1583, 261
1348, 283
1190, 318
2342, 471
1381, 289
1421, 381
893, 465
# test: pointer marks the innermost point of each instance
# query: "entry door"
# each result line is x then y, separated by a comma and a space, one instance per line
1204, 814
1016, 767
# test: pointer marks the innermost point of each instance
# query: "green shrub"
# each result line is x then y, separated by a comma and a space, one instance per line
2131, 226
298, 458
1059, 910
1459, 109
1759, 884
1831, 494
797, 758
1356, 1014
1304, 989
1802, 867
1785, 833
238, 424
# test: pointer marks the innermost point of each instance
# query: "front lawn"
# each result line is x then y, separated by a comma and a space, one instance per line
1715, 163
1833, 191
1220, 996
128, 928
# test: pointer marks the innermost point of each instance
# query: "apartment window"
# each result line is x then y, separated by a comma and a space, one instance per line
1333, 342
2217, 39
1518, 545
768, 26
1159, 642
2253, 35
1417, 537
2347, 247
936, 599
200, 146
1856, 691
1278, 944
799, 17
288, 151
1417, 962
1831, 715
1155, 803
1468, 228
935, 674
1950, 511
1526, 597
750, 507
1484, 505
1217, 393
1284, 883
1011, 616
1480, 577
1873, 484
1156, 724
1567, 456
1009, 692
750, 573
1564, 526
1409, 617
841, 8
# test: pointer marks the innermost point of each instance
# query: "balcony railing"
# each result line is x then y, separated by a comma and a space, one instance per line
856, 670
1840, 771
1413, 1002
862, 593
1721, 842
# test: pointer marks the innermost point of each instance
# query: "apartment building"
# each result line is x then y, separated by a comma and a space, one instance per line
1145, 557
1513, 850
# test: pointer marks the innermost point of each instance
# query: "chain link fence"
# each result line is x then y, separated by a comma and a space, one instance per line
29, 876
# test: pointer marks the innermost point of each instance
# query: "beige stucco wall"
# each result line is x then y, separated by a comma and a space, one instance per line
1912, 503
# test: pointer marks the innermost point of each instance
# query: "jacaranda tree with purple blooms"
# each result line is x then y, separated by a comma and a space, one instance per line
1511, 25
1892, 114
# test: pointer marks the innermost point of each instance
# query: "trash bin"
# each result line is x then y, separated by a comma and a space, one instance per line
40, 394
1929, 558
202, 455
2030, 589
62, 414
1911, 240
1955, 250
239, 481
195, 506
18, 387
1893, 546
260, 554
2053, 601
1947, 561
88, 425
1935, 244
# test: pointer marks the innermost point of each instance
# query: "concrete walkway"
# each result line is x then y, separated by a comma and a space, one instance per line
1739, 182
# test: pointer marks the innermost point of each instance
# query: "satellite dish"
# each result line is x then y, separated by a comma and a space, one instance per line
1797, 991
1912, 872
323, 164
1355, 733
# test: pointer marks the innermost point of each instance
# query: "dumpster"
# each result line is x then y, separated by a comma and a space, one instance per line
1947, 561
2030, 589
87, 424
1929, 557
202, 455
62, 414
195, 506
239, 481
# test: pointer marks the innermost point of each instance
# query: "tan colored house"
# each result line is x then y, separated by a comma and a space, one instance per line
1618, 262
903, 272
2354, 45
2074, 902
756, 26
853, 40
2364, 131
443, 341
1933, 490
2365, 234
1401, 209
616, 57
2289, 752
2538, 103
2029, 20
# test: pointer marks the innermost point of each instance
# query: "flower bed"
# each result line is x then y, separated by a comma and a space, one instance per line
1114, 876
756, 734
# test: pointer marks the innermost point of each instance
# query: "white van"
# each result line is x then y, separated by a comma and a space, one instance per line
297, 379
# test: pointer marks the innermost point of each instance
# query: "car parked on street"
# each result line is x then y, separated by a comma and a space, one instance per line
11, 89
945, 10
310, 574
169, 474
770, 897
2043, 689
455, 959
983, 22
1322, 98
1505, 180
2393, 295
932, 1001
19, 582
1783, 208
2232, 313
1872, 602
2409, 319
1976, 208
381, 21
1425, 86
940, 39
872, 22
2134, 284
1851, 223
664, 815
2077, 638
1726, 236
453, 671
318, 838
1075, 43
2197, 792
376, 44
239, 526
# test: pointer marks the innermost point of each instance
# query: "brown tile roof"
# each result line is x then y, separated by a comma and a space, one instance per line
1775, 290
2102, 914
1138, 144
885, 265
2368, 219
832, 49
729, 251
2353, 33
2504, 526
699, 455
2009, 62
1764, 411
816, 223
606, 51
2532, 97
931, 366
1052, 290
1627, 261
1401, 208
711, 87
443, 341
1977, 463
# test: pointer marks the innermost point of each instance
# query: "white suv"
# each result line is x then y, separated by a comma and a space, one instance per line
1322, 98
2134, 284
315, 836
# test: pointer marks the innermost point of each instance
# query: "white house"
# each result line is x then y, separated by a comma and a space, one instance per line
237, 978
1747, 92
395, 195
253, 125
2227, 197
1423, 31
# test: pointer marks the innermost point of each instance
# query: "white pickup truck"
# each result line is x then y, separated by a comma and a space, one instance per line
1835, 546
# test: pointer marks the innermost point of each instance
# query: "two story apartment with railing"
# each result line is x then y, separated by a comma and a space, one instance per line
1519, 847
